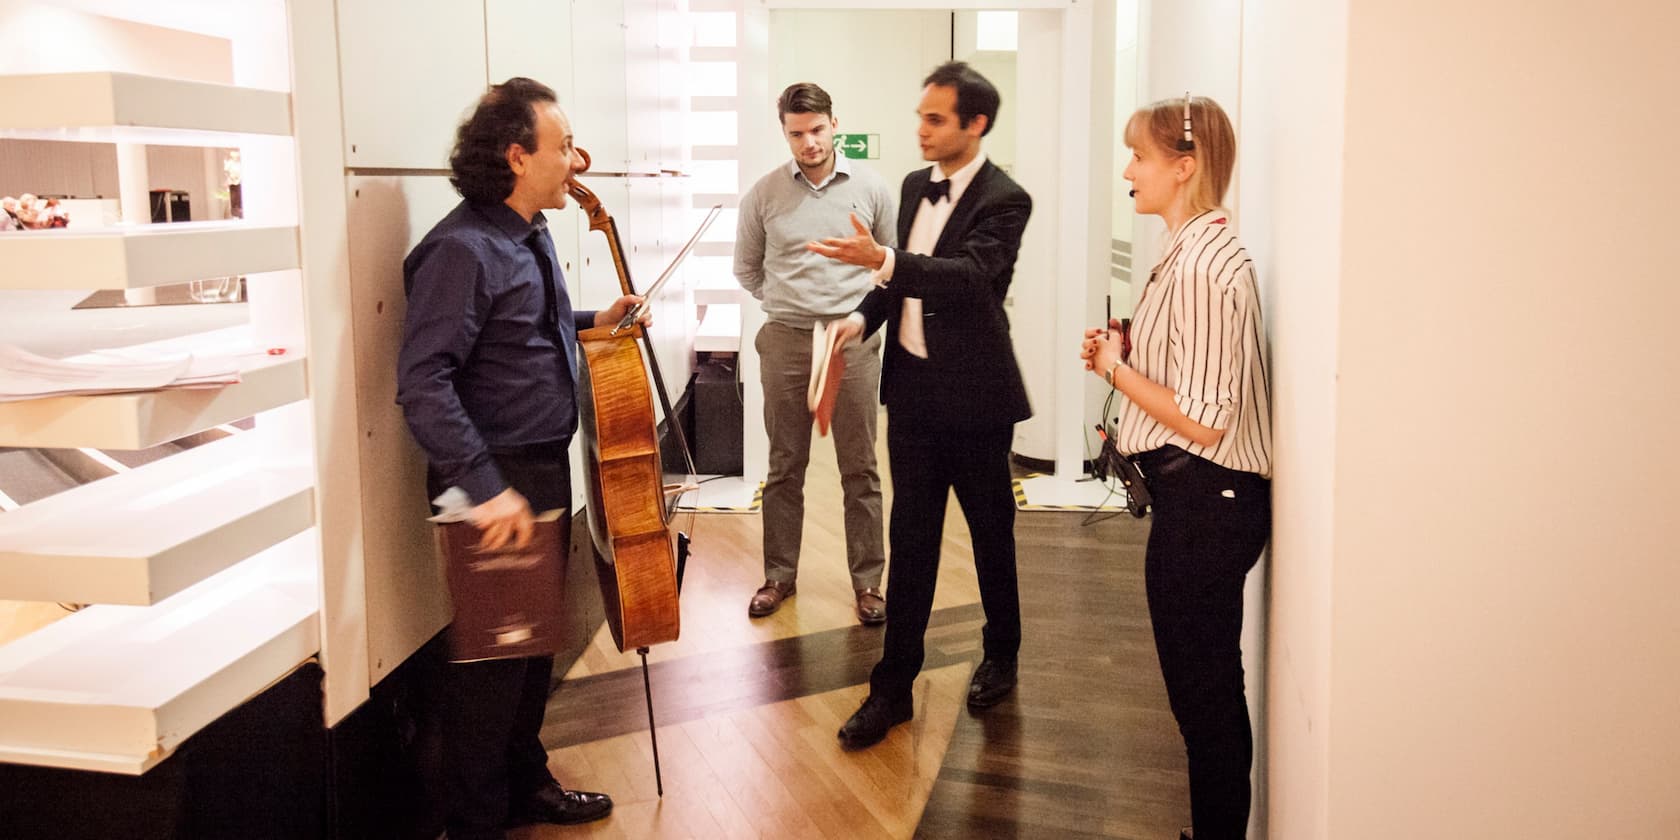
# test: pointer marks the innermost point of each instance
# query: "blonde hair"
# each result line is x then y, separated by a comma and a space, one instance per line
1161, 125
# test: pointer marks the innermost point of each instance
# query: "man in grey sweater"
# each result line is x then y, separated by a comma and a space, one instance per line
807, 198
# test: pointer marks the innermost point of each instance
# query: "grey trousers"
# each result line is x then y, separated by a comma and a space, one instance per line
784, 354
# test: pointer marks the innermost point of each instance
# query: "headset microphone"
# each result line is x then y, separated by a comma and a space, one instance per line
1132, 194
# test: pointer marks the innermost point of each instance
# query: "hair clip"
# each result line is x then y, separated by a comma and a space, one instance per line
1188, 144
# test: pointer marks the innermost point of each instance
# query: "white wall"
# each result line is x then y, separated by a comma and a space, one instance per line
1121, 208
1189, 45
1505, 648
1000, 68
873, 96
1290, 183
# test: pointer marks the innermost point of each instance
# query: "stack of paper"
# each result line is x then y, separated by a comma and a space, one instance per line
27, 376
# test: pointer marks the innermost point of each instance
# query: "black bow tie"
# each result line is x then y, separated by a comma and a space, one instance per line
937, 191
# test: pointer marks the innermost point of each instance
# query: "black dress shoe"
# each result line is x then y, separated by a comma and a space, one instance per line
554, 804
869, 724
992, 682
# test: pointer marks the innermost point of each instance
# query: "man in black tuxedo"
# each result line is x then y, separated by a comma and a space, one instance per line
951, 385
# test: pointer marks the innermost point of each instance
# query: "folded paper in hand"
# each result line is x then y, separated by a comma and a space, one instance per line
828, 367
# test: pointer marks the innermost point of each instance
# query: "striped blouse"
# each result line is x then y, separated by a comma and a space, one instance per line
1197, 331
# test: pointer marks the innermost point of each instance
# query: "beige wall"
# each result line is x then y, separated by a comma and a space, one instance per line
1505, 653
1469, 630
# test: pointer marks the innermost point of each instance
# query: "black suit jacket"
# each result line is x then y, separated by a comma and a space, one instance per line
970, 377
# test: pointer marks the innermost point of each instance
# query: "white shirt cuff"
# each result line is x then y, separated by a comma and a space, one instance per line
883, 275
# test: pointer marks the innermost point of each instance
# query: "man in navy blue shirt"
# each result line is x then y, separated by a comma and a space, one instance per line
486, 380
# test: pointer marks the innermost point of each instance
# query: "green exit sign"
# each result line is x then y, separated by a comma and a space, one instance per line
858, 145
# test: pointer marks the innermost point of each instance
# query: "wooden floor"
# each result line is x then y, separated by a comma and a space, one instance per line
747, 708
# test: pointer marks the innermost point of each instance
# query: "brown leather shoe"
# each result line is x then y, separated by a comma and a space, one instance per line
769, 598
871, 605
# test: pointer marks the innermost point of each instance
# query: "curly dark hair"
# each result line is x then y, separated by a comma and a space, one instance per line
975, 95
505, 115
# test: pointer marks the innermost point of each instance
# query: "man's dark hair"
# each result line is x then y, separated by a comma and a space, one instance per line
505, 115
804, 98
975, 96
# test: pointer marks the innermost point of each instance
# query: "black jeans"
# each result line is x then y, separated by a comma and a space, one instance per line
927, 465
493, 709
1210, 524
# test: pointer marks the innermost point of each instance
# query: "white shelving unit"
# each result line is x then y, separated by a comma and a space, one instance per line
134, 256
204, 567
720, 329
719, 287
139, 420
162, 527
117, 689
123, 107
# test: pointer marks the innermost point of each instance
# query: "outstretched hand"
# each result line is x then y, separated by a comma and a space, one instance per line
859, 249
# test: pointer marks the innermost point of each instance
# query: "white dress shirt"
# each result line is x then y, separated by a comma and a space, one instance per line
925, 230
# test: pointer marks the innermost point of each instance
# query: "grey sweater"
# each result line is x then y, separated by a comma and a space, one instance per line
781, 213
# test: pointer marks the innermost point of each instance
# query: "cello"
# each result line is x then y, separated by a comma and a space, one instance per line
638, 558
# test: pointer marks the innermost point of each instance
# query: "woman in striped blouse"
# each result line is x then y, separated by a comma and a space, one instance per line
1197, 419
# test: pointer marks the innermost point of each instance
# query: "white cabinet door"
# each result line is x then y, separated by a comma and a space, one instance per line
406, 599
673, 84
600, 118
563, 226
531, 38
641, 80
411, 69
597, 279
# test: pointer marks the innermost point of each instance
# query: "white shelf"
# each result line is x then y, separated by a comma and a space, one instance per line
148, 418
122, 107
132, 256
161, 528
719, 288
720, 329
118, 689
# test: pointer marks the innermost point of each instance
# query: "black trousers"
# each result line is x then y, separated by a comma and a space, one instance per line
493, 709
927, 464
1210, 524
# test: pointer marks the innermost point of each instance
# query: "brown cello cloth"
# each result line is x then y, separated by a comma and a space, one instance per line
635, 548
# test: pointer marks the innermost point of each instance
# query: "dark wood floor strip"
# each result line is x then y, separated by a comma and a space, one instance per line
1086, 747
605, 705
